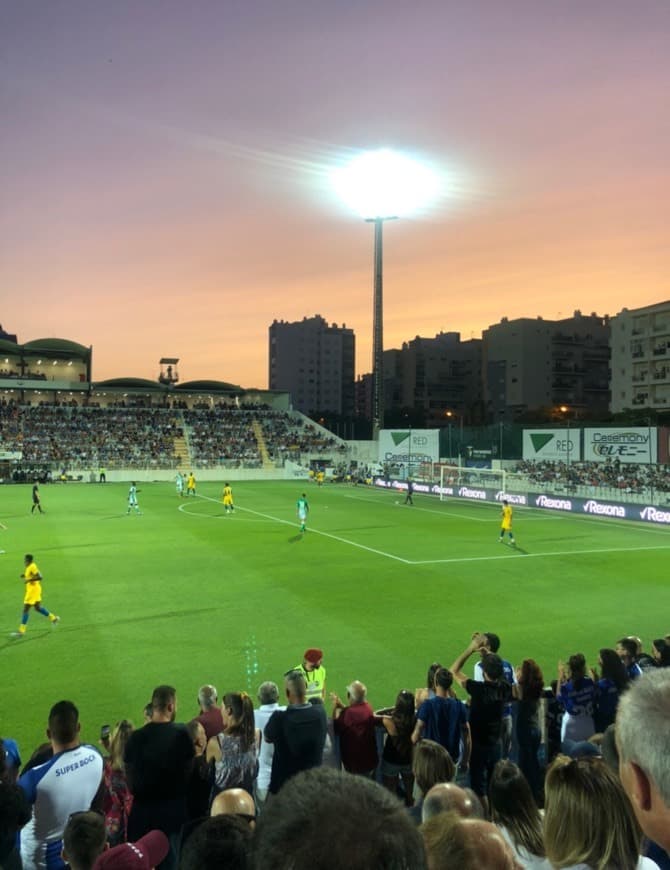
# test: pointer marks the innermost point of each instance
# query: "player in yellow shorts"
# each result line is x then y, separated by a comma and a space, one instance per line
228, 505
33, 594
190, 484
506, 524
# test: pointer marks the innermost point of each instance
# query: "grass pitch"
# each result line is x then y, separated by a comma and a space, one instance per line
185, 595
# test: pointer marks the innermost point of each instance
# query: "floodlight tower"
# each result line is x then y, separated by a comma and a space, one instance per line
382, 185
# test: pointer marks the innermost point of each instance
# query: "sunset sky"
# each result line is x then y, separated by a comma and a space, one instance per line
164, 169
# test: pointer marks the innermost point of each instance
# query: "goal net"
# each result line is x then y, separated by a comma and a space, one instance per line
453, 477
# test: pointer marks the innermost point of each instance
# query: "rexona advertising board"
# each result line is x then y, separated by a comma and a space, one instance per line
405, 446
625, 443
553, 444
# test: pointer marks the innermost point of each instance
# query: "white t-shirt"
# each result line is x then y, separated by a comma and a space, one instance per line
261, 717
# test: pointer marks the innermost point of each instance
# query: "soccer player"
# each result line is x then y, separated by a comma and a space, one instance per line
179, 483
132, 499
410, 492
303, 510
36, 500
33, 594
506, 525
228, 505
190, 484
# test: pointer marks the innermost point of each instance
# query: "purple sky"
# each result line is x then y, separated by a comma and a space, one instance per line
163, 181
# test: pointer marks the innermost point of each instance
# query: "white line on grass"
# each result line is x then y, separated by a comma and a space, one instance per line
313, 531
182, 508
561, 553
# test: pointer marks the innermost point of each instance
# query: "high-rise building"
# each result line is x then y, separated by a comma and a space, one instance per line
530, 365
432, 376
641, 358
315, 363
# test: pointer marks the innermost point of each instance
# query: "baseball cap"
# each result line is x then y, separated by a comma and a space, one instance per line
313, 656
144, 854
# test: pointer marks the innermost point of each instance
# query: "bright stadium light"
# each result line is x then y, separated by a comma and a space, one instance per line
383, 185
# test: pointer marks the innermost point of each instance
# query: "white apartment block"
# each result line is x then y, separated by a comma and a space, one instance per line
640, 364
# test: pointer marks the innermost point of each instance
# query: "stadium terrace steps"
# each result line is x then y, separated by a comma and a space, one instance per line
182, 450
262, 446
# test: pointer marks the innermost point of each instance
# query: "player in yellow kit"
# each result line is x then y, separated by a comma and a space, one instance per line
33, 594
506, 524
190, 484
228, 505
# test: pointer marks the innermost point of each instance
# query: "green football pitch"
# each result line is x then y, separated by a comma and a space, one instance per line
185, 595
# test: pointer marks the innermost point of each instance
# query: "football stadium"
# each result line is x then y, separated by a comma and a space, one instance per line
179, 590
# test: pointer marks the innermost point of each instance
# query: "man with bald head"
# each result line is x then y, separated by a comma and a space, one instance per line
354, 724
446, 797
453, 843
234, 802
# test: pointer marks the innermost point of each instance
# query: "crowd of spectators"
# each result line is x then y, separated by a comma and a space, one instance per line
628, 478
73, 436
577, 778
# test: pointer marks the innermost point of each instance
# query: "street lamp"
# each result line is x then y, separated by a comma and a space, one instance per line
450, 415
382, 185
564, 410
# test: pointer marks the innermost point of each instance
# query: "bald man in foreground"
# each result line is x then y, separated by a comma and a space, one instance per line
446, 797
234, 802
453, 843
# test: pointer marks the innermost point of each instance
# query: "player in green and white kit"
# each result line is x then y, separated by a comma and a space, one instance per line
303, 510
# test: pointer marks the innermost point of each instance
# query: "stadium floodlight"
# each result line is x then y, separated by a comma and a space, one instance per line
383, 185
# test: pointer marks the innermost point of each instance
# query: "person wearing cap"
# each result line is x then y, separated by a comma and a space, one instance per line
144, 854
314, 673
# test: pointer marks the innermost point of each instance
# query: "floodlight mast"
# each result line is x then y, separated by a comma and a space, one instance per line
378, 329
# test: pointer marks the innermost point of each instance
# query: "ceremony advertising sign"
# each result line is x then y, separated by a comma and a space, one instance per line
409, 446
555, 445
635, 444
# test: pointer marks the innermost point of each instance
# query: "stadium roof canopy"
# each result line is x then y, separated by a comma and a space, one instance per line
207, 386
130, 384
54, 347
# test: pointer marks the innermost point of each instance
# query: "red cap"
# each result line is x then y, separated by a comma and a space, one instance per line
313, 656
145, 854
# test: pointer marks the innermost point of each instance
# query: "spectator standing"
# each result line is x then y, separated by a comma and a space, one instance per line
67, 783
398, 723
355, 726
210, 713
117, 799
445, 720
515, 812
268, 695
626, 649
528, 691
613, 680
233, 751
576, 693
492, 645
298, 733
158, 760
488, 701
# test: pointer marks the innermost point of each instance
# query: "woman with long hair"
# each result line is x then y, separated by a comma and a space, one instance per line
117, 800
514, 811
233, 751
588, 819
528, 692
576, 692
431, 763
398, 723
613, 680
660, 652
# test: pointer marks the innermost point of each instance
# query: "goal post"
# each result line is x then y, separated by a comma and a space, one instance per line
453, 477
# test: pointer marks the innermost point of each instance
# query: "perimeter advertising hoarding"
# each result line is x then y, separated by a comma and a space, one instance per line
545, 501
405, 446
632, 444
564, 444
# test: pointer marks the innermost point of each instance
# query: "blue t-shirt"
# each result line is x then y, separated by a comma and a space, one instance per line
577, 697
443, 720
606, 703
